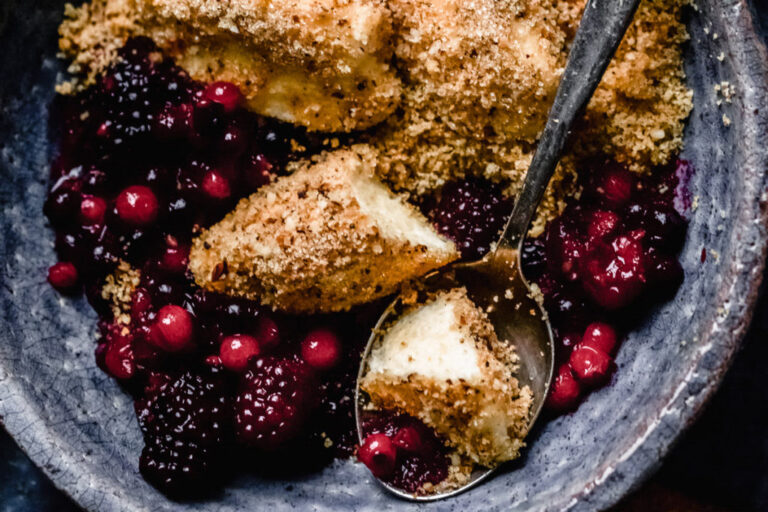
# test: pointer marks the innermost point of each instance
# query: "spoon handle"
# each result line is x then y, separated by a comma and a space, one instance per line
601, 29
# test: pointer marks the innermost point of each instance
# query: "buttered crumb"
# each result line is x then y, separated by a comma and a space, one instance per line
118, 289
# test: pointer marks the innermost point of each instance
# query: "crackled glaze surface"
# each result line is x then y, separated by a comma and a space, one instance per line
51, 392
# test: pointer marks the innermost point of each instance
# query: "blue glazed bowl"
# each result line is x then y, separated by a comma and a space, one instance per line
76, 424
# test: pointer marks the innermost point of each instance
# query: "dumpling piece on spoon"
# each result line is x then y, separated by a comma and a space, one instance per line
442, 363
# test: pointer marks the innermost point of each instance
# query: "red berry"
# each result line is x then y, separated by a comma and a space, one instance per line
613, 185
408, 439
117, 353
565, 391
140, 302
591, 366
267, 333
63, 276
137, 205
236, 350
321, 349
226, 94
104, 130
600, 336
215, 185
176, 256
601, 224
565, 246
119, 361
379, 454
174, 329
92, 210
614, 274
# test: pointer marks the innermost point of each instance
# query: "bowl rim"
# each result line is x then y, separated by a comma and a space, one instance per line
721, 336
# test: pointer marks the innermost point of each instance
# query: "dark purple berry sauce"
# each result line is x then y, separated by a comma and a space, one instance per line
420, 457
148, 157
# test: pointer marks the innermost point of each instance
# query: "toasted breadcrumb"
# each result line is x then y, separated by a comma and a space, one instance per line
325, 238
643, 92
118, 289
91, 35
481, 75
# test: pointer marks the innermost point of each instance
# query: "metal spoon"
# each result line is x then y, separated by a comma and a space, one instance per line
496, 282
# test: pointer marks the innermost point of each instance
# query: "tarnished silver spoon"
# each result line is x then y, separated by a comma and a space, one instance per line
496, 283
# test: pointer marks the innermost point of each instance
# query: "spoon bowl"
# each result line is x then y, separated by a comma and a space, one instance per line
496, 285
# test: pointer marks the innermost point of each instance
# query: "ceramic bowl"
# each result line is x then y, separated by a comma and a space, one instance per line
77, 425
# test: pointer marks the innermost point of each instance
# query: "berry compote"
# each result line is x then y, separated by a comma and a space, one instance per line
148, 157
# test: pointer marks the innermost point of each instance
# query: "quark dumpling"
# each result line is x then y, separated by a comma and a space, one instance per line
322, 64
442, 363
325, 238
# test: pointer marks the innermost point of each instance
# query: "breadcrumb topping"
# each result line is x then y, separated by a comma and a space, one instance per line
638, 112
118, 289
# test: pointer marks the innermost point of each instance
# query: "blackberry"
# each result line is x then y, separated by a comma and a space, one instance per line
276, 397
471, 213
178, 468
132, 91
186, 427
194, 407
